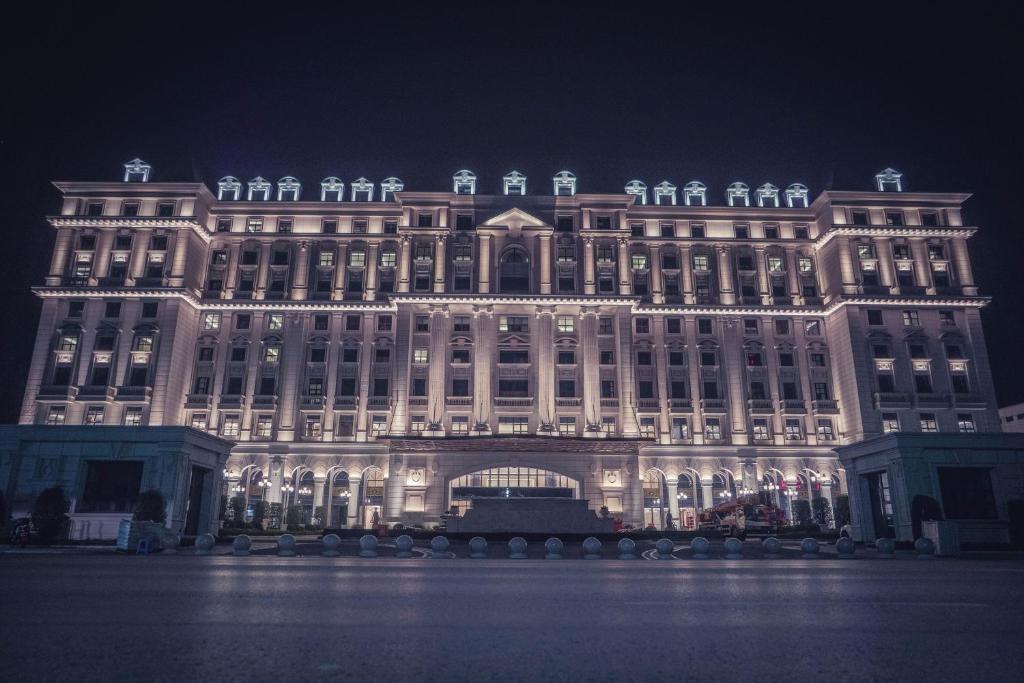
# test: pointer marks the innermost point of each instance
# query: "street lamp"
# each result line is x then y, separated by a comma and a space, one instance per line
305, 491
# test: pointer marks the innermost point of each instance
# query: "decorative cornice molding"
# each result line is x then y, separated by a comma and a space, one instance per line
887, 231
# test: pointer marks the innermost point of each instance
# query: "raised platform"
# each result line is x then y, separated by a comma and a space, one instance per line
530, 515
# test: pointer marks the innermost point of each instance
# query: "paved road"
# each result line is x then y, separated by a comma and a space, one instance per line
102, 617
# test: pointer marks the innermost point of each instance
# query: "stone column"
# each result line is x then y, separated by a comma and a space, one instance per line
400, 374
404, 263
622, 256
727, 294
440, 255
849, 278
793, 276
733, 371
483, 355
657, 295
300, 283
341, 258
661, 380
438, 364
762, 276
545, 370
886, 271
627, 381
263, 275
545, 263
372, 255
589, 285
101, 262
962, 263
484, 280
140, 245
177, 277
61, 254
686, 270
591, 373
354, 502
922, 267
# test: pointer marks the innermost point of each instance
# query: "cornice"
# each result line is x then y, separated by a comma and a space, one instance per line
887, 231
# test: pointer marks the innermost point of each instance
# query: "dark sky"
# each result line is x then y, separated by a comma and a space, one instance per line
769, 91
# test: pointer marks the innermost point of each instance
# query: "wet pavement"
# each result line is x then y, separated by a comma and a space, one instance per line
172, 617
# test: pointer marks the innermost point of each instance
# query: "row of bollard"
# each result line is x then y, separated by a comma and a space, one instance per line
554, 549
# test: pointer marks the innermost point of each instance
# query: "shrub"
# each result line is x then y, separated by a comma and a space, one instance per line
150, 507
822, 512
293, 518
319, 515
235, 513
48, 514
841, 510
259, 511
801, 512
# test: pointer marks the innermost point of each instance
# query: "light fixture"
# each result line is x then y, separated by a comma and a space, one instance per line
305, 491
287, 488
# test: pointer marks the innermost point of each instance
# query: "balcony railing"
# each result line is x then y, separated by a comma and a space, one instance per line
891, 400
264, 401
513, 402
139, 394
197, 401
933, 400
346, 402
568, 401
681, 405
823, 405
95, 392
648, 405
459, 401
232, 401
792, 406
312, 402
970, 401
609, 403
418, 401
378, 402
712, 405
760, 405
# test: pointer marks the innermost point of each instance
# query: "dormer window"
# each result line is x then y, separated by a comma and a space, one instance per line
738, 194
228, 188
637, 189
259, 190
768, 196
332, 190
665, 194
137, 171
695, 193
889, 180
796, 196
388, 188
565, 184
288, 189
362, 190
514, 183
464, 182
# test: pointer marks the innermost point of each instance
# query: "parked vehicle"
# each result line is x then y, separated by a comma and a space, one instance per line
741, 516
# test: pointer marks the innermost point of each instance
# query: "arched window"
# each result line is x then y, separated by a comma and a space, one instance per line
332, 189
796, 196
690, 497
722, 487
372, 497
464, 182
338, 495
259, 190
288, 189
515, 271
362, 190
639, 189
655, 500
229, 187
565, 184
738, 194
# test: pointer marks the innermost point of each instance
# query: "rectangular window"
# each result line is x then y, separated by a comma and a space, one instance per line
673, 325
894, 218
383, 323
56, 415
607, 358
379, 425
566, 323
680, 428
794, 432
760, 429
712, 429
697, 230
420, 356
965, 423
648, 428
566, 388
825, 431
608, 388
329, 227
929, 423
911, 319
605, 325
566, 358
704, 326
567, 426
643, 325
418, 424
782, 326
510, 323
198, 421
230, 426
513, 425
890, 422
460, 425
608, 426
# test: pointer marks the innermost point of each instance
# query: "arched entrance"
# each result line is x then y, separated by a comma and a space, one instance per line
509, 482
655, 499
372, 508
690, 496
338, 494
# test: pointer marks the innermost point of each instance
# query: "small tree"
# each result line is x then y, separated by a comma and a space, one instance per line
235, 513
259, 511
48, 513
319, 515
293, 518
150, 507
801, 512
841, 510
822, 511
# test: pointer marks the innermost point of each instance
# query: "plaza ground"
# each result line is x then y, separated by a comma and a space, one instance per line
100, 616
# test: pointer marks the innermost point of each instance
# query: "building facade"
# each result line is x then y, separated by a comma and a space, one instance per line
379, 353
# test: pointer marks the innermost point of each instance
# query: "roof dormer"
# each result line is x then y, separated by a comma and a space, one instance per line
665, 193
565, 184
259, 189
796, 196
737, 194
288, 189
514, 183
638, 189
768, 196
388, 188
889, 180
464, 182
362, 190
137, 171
229, 187
695, 193
332, 189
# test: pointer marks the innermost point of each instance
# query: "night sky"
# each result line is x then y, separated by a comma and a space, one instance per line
766, 92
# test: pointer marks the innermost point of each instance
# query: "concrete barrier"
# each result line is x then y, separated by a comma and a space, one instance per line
771, 546
733, 549
553, 548
403, 546
478, 548
241, 546
204, 544
664, 547
439, 548
591, 548
627, 549
286, 545
517, 548
886, 548
809, 548
368, 546
700, 546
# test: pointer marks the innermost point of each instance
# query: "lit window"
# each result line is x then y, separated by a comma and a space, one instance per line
388, 258
965, 423
379, 425
254, 224
712, 429
890, 422
761, 430
211, 321
357, 258
133, 417
911, 319
680, 428
567, 426
608, 426
325, 259
647, 427
271, 354
509, 323
639, 261
275, 321
56, 415
775, 264
700, 262
513, 425
805, 264
418, 424
420, 356
566, 323
460, 424
264, 426
825, 431
198, 421
94, 415
793, 430
812, 328
311, 427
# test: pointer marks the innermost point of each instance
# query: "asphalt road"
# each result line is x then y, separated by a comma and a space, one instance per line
115, 618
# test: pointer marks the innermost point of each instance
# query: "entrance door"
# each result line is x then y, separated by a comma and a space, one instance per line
194, 504
881, 504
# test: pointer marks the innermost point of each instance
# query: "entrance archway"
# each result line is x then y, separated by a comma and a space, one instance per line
690, 495
372, 499
509, 482
655, 499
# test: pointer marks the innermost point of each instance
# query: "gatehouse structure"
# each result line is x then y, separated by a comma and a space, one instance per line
381, 354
